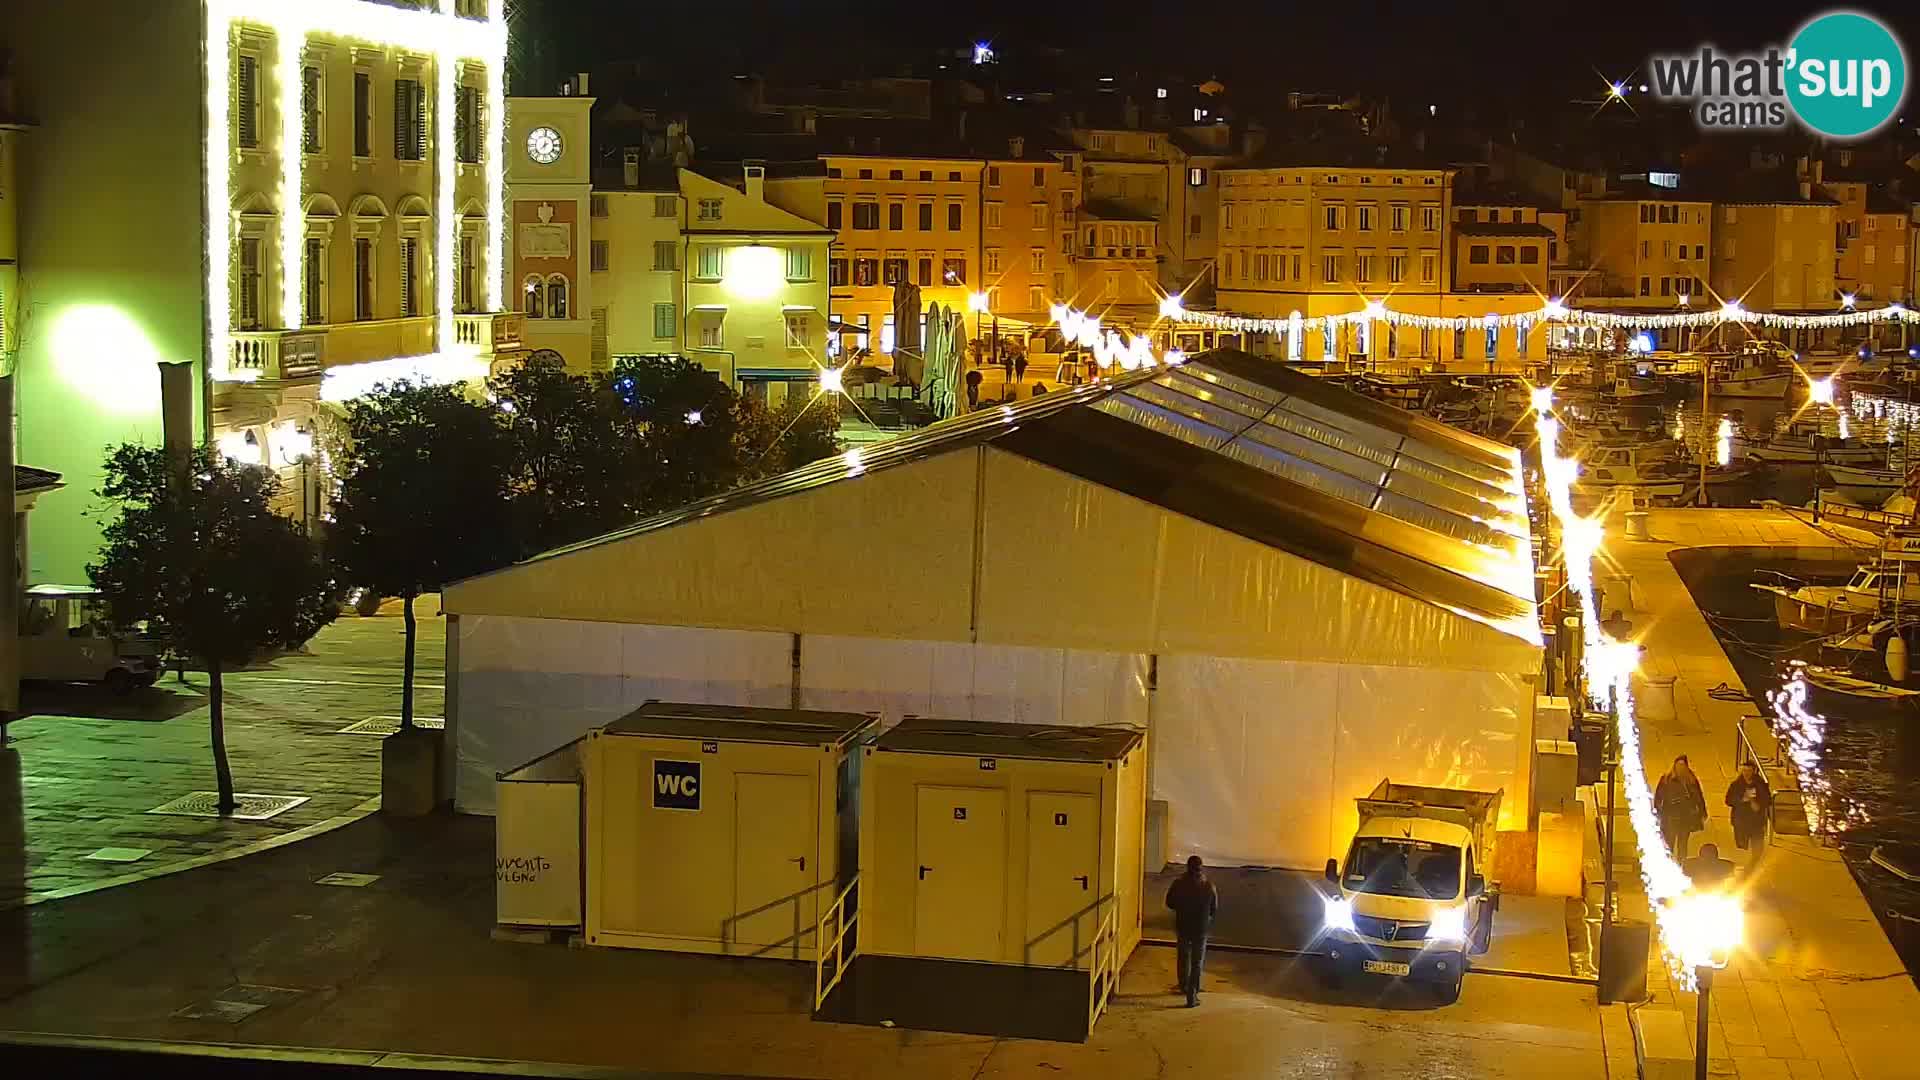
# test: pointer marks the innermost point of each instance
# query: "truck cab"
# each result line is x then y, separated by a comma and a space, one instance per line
1412, 898
66, 636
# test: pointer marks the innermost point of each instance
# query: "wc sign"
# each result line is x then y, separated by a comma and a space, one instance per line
676, 785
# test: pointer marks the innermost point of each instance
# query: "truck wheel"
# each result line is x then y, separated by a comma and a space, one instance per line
119, 682
1448, 990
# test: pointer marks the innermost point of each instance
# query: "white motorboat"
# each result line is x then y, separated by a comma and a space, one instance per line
1759, 370
1795, 446
1638, 388
1841, 609
1652, 468
1844, 684
1865, 486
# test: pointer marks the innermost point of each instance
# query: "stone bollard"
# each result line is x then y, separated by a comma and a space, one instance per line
410, 773
1637, 528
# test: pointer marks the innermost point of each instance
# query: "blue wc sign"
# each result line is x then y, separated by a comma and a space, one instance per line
676, 785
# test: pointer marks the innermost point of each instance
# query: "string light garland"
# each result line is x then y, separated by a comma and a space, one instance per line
1108, 346
1553, 311
442, 35
1696, 928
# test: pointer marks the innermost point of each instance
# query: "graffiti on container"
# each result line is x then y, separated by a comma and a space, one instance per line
519, 869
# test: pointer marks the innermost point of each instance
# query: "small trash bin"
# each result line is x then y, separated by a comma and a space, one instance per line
1624, 949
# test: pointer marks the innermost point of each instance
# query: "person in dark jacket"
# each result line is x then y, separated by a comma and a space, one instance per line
1680, 805
1194, 903
1751, 801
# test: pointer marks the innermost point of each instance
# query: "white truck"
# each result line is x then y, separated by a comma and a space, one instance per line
1413, 901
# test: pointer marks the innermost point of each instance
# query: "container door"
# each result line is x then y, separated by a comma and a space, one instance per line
1063, 878
774, 856
960, 904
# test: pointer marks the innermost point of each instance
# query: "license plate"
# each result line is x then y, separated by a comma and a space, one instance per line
1386, 967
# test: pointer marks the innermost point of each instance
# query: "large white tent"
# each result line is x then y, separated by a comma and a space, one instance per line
1294, 589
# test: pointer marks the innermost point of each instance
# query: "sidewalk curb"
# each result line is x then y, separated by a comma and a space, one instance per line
294, 836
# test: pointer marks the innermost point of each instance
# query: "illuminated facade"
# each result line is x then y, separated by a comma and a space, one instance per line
1775, 254
1644, 250
317, 206
1874, 238
549, 149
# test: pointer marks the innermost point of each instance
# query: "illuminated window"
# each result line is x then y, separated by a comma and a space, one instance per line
893, 270
866, 270
713, 331
1039, 215
556, 296
1036, 298
536, 297
1196, 177
953, 271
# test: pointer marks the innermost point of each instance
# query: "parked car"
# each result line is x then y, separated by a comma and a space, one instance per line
66, 636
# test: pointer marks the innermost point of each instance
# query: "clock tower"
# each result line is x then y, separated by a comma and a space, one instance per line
549, 220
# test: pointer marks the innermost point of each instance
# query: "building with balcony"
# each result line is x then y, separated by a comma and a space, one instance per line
1645, 248
1030, 205
1873, 235
319, 190
1774, 244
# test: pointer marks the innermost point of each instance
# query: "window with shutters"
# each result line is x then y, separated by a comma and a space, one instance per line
710, 262
469, 273
710, 209
466, 123
313, 282
664, 255
896, 215
925, 212
799, 264
409, 120
665, 206
1036, 298
893, 270
923, 271
1429, 268
836, 271
556, 296
362, 114
992, 260
597, 250
409, 277
797, 330
246, 101
953, 217
1396, 269
663, 321
310, 99
246, 313
1037, 261
834, 217
536, 297
993, 215
597, 340
866, 215
363, 278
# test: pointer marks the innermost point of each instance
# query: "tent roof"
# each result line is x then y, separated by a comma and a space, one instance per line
1244, 445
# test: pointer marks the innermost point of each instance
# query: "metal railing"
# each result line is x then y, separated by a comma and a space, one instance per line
1102, 970
832, 951
1782, 778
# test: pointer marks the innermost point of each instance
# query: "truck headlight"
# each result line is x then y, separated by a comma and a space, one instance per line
1449, 924
1340, 914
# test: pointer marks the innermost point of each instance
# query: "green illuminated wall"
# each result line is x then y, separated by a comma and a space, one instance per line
111, 277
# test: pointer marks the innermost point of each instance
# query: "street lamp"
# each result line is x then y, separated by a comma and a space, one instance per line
979, 303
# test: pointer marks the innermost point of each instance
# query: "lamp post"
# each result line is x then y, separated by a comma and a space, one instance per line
978, 303
1703, 976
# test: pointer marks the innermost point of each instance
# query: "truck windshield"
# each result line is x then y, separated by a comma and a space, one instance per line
1394, 867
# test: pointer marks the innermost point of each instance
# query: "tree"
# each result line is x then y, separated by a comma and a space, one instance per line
423, 497
687, 422
580, 463
197, 554
804, 429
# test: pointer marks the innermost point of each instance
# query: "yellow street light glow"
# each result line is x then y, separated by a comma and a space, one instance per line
1820, 391
832, 381
1540, 399
349, 381
442, 35
1376, 309
1170, 307
102, 353
978, 301
753, 272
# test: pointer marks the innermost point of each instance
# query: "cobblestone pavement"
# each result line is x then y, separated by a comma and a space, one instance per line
404, 963
92, 765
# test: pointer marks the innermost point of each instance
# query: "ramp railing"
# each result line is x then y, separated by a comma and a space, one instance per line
1102, 970
834, 954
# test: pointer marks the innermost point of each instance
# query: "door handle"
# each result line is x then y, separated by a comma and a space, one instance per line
1082, 879
802, 860
923, 872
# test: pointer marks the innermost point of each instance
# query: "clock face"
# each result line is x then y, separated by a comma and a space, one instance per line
543, 145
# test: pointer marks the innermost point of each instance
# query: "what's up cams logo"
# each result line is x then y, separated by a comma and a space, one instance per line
1844, 76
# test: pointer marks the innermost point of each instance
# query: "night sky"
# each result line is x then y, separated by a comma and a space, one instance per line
1478, 53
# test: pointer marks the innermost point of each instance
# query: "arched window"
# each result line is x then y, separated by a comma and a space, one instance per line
556, 296
536, 301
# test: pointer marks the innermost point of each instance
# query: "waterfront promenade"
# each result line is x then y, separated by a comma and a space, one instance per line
1818, 991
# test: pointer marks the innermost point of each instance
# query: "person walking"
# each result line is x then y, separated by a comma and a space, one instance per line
1194, 903
1680, 805
1751, 801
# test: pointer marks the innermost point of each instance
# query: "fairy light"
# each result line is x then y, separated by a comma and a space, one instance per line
1696, 928
1723, 443
445, 37
1553, 311
1108, 346
446, 72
